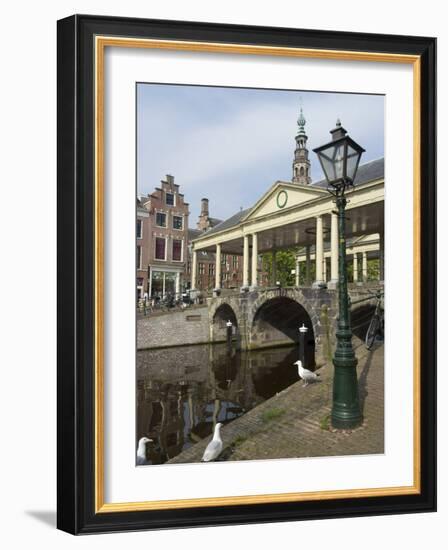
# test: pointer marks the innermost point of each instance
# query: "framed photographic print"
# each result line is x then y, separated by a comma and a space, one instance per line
246, 274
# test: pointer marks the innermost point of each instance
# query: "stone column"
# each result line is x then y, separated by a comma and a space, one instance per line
297, 271
319, 252
194, 268
254, 260
334, 277
355, 267
177, 290
308, 266
218, 267
382, 255
364, 267
246, 261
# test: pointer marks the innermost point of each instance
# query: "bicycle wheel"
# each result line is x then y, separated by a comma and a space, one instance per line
372, 331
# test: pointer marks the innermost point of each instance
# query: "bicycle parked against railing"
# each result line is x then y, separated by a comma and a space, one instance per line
376, 325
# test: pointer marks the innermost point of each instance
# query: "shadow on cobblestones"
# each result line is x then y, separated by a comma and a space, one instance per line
362, 381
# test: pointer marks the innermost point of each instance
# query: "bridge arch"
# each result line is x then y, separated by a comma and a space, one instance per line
276, 322
223, 313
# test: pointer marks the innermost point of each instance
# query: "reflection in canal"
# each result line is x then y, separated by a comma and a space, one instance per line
182, 392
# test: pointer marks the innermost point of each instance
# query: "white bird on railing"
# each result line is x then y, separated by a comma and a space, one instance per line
306, 375
214, 448
141, 451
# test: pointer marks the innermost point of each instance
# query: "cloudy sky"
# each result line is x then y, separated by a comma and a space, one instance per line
232, 144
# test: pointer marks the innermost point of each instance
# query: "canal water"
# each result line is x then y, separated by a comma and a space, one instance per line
182, 392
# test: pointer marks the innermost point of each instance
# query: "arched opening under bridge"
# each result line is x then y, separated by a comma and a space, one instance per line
277, 322
222, 316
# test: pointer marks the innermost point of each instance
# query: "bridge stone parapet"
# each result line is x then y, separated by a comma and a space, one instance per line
264, 317
268, 317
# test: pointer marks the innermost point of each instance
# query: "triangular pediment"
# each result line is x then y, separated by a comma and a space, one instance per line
283, 196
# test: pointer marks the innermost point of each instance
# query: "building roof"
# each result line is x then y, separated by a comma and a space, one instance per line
140, 206
194, 233
214, 221
203, 254
369, 171
230, 222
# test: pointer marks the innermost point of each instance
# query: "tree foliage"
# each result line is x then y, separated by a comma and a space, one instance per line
286, 264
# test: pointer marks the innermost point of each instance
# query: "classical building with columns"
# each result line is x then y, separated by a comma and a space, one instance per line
300, 215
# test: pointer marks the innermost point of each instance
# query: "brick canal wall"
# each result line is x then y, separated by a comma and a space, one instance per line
174, 328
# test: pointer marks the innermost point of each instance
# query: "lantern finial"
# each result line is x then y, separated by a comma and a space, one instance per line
301, 121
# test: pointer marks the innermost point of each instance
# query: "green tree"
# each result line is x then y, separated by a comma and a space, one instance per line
373, 269
286, 262
302, 268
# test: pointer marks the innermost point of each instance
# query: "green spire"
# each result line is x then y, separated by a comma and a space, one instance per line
301, 122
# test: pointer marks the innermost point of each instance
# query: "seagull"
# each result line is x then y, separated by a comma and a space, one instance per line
305, 374
141, 451
214, 448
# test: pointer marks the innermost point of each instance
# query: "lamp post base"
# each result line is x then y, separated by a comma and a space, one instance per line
346, 413
346, 418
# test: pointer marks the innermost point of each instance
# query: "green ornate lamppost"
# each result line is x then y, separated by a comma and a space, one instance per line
339, 160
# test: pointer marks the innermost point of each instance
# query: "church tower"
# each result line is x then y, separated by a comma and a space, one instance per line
301, 164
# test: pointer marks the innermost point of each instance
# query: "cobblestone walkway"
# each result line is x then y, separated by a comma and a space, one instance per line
295, 422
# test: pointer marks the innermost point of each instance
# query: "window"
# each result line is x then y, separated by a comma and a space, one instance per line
201, 268
139, 229
177, 250
169, 199
211, 270
156, 283
160, 248
161, 219
178, 222
139, 257
235, 262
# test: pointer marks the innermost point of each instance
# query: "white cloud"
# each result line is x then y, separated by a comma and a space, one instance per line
231, 159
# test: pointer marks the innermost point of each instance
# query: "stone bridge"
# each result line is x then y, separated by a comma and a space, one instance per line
268, 317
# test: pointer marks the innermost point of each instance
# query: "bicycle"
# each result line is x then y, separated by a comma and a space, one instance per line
376, 325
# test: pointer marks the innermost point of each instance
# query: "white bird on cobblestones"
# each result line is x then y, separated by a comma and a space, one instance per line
141, 451
306, 375
214, 448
